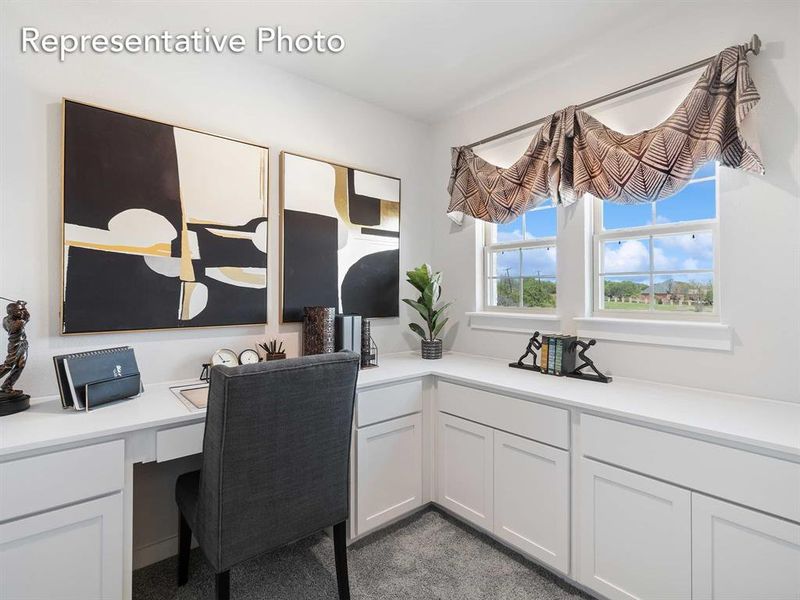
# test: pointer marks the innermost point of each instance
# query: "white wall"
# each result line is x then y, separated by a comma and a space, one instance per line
231, 95
234, 96
759, 216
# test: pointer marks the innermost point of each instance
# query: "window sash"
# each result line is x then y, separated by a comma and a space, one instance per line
491, 246
655, 231
600, 236
489, 276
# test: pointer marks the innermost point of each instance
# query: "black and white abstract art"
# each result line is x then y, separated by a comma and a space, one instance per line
341, 236
164, 227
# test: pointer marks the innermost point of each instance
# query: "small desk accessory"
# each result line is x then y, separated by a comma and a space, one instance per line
273, 350
369, 349
557, 355
225, 357
194, 397
249, 356
87, 380
17, 316
205, 374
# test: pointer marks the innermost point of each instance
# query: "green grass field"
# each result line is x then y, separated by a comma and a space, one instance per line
608, 305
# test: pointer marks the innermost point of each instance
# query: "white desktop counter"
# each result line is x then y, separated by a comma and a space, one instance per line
627, 489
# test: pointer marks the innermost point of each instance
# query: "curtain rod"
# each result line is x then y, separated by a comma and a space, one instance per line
753, 46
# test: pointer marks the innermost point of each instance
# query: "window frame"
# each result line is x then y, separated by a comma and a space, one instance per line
490, 246
600, 237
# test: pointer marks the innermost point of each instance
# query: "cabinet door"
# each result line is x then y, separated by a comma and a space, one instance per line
67, 554
740, 554
464, 469
531, 498
389, 471
634, 535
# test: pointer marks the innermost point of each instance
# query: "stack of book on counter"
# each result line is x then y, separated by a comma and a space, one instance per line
557, 354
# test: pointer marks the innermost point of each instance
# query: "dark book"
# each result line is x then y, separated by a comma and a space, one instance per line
101, 376
347, 330
568, 354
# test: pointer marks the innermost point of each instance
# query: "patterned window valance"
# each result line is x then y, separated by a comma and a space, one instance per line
573, 154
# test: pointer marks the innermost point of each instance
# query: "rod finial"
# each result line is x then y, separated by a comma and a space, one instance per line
755, 44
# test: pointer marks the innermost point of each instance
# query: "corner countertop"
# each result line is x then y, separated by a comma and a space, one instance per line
759, 424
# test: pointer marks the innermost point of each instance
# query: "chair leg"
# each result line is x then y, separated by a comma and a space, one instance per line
184, 545
223, 585
340, 552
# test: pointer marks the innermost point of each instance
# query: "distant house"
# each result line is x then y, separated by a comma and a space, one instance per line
673, 292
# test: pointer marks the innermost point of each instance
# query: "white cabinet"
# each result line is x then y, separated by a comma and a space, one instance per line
72, 553
388, 472
464, 469
634, 535
740, 554
531, 498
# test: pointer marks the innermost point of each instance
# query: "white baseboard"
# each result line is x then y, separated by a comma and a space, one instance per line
156, 551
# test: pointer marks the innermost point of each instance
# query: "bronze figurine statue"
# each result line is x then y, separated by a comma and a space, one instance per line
17, 317
534, 344
587, 362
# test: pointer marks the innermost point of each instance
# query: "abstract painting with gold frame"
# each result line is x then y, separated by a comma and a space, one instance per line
163, 226
340, 239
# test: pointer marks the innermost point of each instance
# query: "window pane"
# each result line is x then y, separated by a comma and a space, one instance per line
695, 201
504, 291
539, 292
707, 170
686, 252
687, 292
629, 292
541, 221
509, 232
626, 256
504, 263
619, 216
539, 262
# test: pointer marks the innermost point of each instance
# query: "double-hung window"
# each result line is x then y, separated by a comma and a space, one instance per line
520, 262
659, 259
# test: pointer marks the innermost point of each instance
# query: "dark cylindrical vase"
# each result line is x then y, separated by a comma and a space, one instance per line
432, 349
318, 330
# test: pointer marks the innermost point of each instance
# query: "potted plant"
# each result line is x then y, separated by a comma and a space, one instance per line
428, 284
273, 350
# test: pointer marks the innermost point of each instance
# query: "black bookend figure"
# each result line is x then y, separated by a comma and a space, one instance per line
586, 362
533, 344
11, 400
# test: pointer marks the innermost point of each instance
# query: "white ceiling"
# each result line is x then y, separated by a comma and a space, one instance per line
422, 59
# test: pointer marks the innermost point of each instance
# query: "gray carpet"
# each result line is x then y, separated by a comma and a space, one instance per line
428, 556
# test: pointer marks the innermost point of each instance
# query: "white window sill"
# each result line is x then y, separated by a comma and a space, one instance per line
685, 334
514, 322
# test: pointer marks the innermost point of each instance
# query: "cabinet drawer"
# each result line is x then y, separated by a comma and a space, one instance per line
766, 483
389, 402
525, 418
179, 441
35, 484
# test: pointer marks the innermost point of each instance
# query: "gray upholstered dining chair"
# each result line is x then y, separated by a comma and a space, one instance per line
275, 463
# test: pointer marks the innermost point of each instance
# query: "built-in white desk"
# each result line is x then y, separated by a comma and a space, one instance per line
572, 474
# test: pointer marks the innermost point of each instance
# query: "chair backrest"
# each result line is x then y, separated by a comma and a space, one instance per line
275, 454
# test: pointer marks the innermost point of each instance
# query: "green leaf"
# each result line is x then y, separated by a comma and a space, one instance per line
440, 311
438, 328
417, 329
423, 310
427, 295
419, 277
